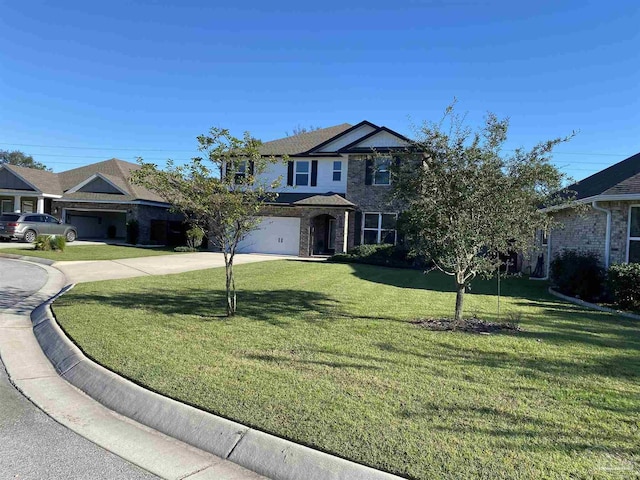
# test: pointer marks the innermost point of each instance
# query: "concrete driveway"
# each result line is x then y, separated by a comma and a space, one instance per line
91, 271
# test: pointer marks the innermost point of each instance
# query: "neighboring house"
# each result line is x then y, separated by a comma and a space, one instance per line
334, 192
93, 198
611, 226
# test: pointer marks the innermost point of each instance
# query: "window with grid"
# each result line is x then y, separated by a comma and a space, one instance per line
634, 235
379, 228
241, 171
337, 171
302, 172
381, 175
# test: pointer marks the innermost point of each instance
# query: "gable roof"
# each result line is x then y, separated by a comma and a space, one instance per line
623, 178
354, 147
42, 180
117, 171
302, 142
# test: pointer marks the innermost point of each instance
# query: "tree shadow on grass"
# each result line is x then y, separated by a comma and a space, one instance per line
439, 282
275, 306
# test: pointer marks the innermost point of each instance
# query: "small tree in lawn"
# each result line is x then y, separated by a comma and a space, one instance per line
467, 202
221, 193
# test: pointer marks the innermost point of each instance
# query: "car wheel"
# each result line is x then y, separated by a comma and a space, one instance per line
71, 236
30, 236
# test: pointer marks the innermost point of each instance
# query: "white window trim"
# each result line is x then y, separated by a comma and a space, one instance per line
307, 173
334, 171
379, 229
375, 169
629, 237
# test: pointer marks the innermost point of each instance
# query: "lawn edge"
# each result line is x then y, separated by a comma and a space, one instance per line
263, 453
593, 306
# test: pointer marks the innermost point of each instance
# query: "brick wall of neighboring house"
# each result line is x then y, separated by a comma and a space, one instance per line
306, 215
368, 198
145, 214
585, 232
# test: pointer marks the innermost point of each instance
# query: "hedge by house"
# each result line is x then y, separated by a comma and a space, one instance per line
386, 255
578, 274
624, 284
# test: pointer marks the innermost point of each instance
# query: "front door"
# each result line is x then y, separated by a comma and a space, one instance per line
331, 243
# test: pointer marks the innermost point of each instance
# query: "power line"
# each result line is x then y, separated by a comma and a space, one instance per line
96, 148
590, 154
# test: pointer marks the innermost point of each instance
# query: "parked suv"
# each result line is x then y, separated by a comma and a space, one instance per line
27, 226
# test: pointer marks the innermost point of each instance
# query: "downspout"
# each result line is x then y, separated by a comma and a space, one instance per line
607, 238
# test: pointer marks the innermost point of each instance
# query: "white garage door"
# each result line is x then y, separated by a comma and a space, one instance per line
279, 235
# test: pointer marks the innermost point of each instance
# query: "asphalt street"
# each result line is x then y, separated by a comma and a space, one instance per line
32, 445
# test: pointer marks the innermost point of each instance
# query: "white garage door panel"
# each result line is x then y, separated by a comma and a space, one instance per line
279, 235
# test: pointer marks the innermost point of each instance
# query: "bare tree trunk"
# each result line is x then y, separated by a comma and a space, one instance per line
457, 320
231, 286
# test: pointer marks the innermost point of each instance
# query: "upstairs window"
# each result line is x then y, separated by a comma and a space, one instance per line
381, 174
240, 171
633, 242
302, 172
337, 171
379, 228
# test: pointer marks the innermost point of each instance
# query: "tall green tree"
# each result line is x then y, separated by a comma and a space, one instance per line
468, 202
16, 157
221, 192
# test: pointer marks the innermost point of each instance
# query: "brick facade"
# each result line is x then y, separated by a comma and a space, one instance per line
368, 198
586, 232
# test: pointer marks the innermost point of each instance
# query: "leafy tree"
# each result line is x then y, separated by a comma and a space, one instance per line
467, 202
299, 129
222, 193
16, 157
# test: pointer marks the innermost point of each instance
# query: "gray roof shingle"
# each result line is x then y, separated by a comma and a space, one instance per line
302, 142
619, 179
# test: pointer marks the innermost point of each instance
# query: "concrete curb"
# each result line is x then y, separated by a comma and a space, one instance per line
593, 306
26, 258
262, 453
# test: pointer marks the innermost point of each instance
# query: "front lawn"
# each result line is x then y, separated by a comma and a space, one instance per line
326, 355
91, 252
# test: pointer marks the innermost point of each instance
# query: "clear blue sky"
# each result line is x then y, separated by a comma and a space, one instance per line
122, 79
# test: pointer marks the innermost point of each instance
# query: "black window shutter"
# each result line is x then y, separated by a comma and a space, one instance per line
290, 173
252, 167
357, 231
314, 173
368, 173
397, 160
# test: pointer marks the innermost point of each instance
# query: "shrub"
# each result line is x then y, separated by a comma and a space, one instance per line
384, 254
624, 285
43, 242
194, 238
186, 249
50, 242
578, 274
133, 232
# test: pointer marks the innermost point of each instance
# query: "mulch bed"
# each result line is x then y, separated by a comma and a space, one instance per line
472, 325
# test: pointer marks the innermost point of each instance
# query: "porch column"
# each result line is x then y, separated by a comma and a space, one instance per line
16, 203
40, 205
345, 236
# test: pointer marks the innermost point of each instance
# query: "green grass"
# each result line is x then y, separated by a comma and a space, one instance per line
325, 355
91, 252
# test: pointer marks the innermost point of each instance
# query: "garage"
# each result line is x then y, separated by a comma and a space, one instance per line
97, 224
277, 235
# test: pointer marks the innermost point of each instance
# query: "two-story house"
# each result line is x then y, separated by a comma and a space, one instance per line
334, 192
